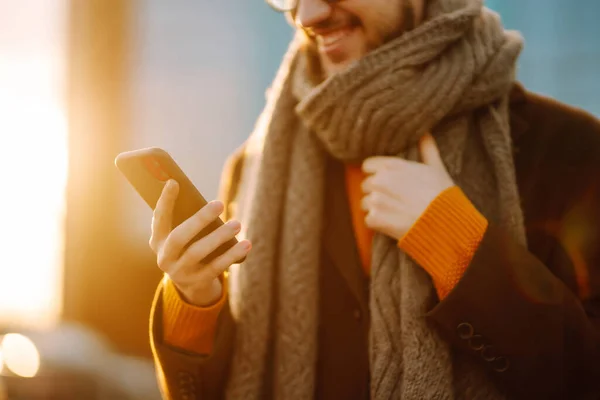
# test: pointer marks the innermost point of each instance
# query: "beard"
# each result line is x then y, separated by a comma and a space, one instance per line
311, 50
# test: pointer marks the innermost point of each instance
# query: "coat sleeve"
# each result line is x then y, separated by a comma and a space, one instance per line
531, 316
523, 324
184, 375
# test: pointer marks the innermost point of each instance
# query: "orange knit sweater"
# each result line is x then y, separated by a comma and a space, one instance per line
442, 241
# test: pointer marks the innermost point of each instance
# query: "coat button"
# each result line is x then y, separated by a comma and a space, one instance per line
185, 378
500, 364
357, 314
465, 330
476, 342
487, 353
187, 395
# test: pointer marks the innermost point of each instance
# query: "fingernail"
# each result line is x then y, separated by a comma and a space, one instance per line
246, 245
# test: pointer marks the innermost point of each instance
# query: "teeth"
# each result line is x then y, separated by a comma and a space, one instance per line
333, 37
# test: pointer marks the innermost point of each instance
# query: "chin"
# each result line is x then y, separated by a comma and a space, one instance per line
340, 59
339, 62
335, 68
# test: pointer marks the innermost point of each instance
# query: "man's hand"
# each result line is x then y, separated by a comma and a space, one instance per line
398, 191
197, 280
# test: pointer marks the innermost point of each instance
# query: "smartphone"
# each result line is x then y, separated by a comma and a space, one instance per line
148, 170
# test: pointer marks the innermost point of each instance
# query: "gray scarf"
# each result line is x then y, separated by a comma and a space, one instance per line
450, 76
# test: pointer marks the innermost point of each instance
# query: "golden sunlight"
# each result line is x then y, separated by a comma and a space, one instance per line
34, 168
21, 356
33, 161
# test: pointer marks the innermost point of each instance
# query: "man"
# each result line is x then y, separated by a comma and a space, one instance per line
421, 226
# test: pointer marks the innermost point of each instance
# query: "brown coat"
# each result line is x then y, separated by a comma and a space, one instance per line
530, 316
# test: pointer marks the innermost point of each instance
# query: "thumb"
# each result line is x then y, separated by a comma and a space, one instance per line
430, 152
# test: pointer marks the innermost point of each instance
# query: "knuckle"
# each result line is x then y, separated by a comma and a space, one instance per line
371, 219
158, 218
161, 260
173, 240
368, 204
189, 258
213, 269
378, 182
178, 273
194, 252
225, 261
152, 243
155, 220
376, 200
217, 268
156, 212
201, 219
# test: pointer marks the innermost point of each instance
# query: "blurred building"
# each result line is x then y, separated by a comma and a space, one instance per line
562, 47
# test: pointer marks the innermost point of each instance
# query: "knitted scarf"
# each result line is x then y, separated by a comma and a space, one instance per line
449, 76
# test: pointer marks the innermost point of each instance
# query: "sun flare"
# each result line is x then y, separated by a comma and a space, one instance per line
33, 164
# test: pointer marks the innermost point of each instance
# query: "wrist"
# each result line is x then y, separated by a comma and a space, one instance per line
204, 296
445, 238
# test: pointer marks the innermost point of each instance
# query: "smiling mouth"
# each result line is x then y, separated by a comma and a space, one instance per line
333, 41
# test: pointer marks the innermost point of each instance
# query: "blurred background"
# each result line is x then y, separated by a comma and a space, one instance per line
81, 81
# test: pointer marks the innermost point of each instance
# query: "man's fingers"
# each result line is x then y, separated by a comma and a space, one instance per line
183, 234
220, 264
201, 249
162, 218
430, 152
374, 164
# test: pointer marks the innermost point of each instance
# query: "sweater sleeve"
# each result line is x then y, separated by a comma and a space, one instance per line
445, 238
186, 326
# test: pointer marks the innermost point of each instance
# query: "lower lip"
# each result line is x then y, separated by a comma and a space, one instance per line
338, 45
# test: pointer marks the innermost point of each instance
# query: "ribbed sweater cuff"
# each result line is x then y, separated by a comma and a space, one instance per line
186, 326
445, 238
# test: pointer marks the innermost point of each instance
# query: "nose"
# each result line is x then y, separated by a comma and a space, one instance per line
311, 12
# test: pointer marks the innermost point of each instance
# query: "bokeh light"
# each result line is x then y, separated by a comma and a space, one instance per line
20, 355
